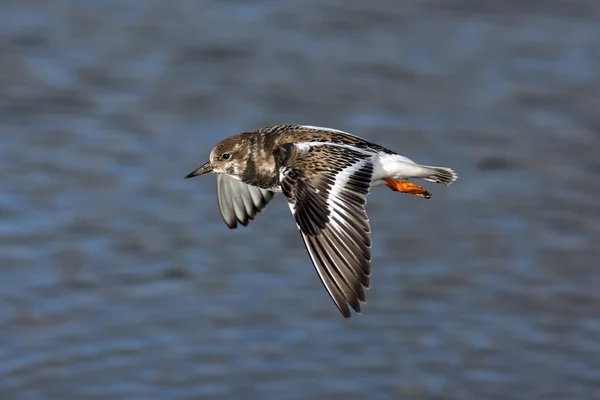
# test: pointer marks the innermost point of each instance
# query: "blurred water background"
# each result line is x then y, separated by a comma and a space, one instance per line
118, 279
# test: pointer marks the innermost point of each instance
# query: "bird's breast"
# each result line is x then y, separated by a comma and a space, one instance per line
261, 173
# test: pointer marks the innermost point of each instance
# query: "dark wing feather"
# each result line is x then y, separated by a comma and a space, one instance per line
240, 202
326, 186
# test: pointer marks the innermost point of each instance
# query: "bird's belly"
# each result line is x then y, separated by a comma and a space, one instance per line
393, 166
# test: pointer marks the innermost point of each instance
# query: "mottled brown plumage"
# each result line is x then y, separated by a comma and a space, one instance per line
326, 176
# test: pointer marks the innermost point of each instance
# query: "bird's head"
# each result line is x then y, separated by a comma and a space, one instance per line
228, 157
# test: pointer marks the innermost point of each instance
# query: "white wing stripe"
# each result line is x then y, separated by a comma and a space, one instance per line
320, 128
303, 146
341, 179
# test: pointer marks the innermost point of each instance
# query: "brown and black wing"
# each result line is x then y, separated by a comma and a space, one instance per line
326, 186
288, 134
239, 202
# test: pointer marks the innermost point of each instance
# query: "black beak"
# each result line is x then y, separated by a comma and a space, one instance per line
201, 170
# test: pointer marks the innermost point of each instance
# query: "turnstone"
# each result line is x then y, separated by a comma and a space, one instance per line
326, 175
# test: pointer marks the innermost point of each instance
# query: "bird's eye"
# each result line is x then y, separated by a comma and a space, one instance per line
226, 156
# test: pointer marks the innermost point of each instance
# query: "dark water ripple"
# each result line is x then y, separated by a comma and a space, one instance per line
118, 280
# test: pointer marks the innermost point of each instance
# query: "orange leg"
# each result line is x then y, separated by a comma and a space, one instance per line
403, 186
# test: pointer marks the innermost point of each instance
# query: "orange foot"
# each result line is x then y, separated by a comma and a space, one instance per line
403, 186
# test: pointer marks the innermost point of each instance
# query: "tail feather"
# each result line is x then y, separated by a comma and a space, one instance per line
441, 175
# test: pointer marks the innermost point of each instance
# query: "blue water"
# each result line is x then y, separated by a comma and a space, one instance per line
118, 279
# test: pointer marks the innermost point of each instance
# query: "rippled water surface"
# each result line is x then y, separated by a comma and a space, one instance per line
118, 279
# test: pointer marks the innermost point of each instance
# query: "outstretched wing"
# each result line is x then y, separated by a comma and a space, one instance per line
326, 186
240, 202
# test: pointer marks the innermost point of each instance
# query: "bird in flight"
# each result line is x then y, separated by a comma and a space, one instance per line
326, 175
